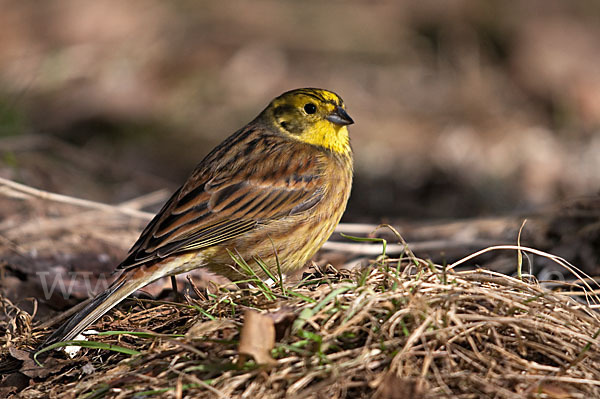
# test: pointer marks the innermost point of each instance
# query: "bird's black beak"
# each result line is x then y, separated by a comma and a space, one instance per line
339, 116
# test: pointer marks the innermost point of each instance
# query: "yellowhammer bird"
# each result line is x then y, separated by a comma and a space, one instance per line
273, 191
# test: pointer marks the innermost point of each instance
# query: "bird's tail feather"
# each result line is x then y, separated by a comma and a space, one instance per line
101, 304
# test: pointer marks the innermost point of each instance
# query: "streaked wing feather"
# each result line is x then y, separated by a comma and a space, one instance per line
226, 232
205, 212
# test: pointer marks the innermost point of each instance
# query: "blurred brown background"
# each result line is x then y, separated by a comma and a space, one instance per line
461, 108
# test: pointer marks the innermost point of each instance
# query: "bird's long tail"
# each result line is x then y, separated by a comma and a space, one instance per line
102, 303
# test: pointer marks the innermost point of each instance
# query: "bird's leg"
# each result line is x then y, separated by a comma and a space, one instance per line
178, 296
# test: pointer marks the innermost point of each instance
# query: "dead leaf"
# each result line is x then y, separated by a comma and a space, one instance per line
12, 383
31, 369
257, 338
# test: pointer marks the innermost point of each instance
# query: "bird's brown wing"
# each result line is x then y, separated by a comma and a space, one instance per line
207, 211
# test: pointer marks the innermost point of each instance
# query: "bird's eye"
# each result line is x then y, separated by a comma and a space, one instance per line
310, 108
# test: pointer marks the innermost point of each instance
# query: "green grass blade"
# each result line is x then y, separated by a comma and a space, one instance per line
307, 313
86, 344
141, 334
241, 262
369, 239
264, 268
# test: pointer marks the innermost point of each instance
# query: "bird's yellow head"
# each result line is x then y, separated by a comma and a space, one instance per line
313, 116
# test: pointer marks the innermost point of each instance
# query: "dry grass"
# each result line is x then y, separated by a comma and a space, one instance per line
470, 335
